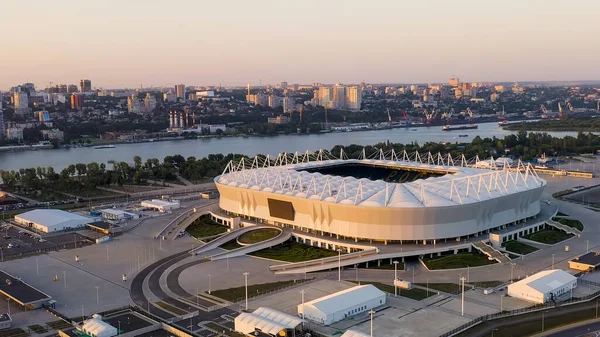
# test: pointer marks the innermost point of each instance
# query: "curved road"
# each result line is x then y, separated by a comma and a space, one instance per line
592, 329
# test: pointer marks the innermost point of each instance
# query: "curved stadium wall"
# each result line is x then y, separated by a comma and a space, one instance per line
454, 200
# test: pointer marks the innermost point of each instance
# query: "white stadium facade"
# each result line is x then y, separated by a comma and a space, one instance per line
391, 198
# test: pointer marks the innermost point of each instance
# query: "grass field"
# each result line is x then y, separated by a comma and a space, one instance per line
294, 252
571, 223
239, 293
414, 293
170, 308
559, 213
204, 227
519, 247
450, 288
548, 236
258, 235
461, 260
487, 284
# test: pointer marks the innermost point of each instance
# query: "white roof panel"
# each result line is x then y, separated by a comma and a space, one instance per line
354, 333
345, 298
53, 217
546, 281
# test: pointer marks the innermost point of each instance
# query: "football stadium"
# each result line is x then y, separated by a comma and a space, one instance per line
417, 198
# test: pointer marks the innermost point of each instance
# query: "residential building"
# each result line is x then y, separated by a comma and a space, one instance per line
134, 105
339, 97
278, 120
289, 104
53, 134
499, 88
85, 86
21, 101
353, 98
274, 101
149, 102
180, 90
43, 116
169, 97
14, 133
77, 102
2, 127
72, 88
454, 82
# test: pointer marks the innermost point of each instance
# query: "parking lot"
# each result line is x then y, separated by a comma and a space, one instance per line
16, 242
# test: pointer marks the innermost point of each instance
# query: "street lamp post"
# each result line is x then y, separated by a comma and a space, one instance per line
372, 312
512, 266
552, 261
395, 278
493, 331
339, 265
462, 301
97, 295
597, 307
246, 282
587, 246
468, 275
302, 292
65, 278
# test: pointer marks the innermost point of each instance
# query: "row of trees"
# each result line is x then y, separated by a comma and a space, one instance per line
79, 177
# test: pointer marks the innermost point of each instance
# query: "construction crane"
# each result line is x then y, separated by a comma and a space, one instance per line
544, 111
570, 106
447, 116
470, 113
430, 116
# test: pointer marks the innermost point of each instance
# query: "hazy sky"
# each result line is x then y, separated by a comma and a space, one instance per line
118, 43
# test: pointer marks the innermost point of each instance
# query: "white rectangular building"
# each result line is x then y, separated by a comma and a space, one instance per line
343, 304
354, 333
118, 215
544, 286
52, 220
160, 205
267, 321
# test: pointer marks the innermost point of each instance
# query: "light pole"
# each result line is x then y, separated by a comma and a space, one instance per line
37, 265
587, 246
339, 265
65, 278
552, 261
512, 266
82, 315
427, 287
395, 278
246, 282
493, 331
119, 331
372, 312
543, 312
462, 301
597, 307
468, 275
209, 285
97, 295
501, 299
302, 292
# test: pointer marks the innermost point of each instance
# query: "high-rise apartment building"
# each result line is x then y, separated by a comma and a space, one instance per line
454, 82
21, 101
2, 126
71, 88
85, 86
339, 97
77, 102
289, 104
284, 85
180, 90
149, 102
134, 105
353, 98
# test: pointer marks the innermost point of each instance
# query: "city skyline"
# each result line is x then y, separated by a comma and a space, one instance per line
128, 44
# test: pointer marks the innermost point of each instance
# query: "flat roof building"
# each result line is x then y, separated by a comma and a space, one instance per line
22, 293
586, 262
52, 220
96, 327
544, 286
160, 205
117, 214
354, 333
266, 321
343, 304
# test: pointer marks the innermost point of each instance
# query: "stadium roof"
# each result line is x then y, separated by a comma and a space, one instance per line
354, 333
53, 217
546, 281
466, 184
346, 298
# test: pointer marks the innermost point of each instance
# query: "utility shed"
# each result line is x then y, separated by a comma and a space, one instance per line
586, 262
544, 286
343, 304
96, 327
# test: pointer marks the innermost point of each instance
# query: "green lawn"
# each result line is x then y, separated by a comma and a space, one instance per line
414, 293
548, 236
231, 245
487, 284
461, 260
170, 308
519, 247
58, 324
451, 288
14, 332
258, 235
204, 227
561, 214
294, 252
571, 223
239, 293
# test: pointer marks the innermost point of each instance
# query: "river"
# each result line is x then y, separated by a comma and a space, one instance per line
61, 158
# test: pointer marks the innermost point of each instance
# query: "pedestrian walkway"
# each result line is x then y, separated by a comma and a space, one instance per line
491, 252
564, 228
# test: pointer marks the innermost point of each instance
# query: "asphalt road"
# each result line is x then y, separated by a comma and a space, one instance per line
590, 330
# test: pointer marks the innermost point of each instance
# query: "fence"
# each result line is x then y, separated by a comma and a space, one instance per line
521, 311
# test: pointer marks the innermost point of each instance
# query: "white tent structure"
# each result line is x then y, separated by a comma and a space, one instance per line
354, 333
266, 320
543, 286
96, 327
52, 220
338, 306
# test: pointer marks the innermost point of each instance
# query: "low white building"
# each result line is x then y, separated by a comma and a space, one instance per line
96, 327
354, 333
267, 321
343, 304
52, 220
544, 286
118, 215
160, 205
